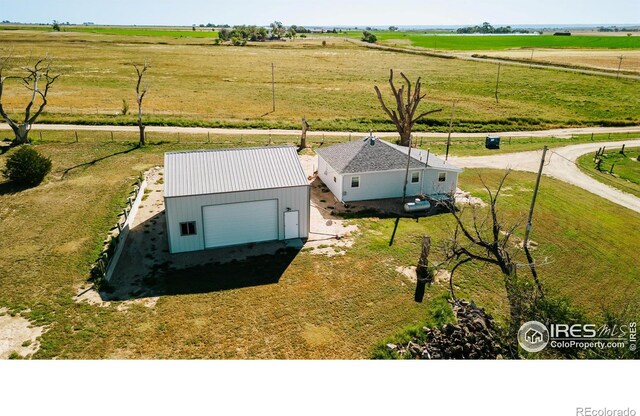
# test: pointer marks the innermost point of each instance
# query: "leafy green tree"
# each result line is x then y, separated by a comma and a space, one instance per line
277, 30
369, 37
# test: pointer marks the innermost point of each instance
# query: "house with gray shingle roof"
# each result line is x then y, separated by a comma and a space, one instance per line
371, 168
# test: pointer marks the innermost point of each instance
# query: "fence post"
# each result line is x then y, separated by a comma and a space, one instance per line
591, 136
40, 136
111, 137
76, 136
611, 170
126, 214
208, 137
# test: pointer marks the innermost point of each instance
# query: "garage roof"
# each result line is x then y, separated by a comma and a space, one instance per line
371, 154
200, 172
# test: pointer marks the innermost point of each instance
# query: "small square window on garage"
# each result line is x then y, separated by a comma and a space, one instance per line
188, 228
442, 176
355, 181
415, 177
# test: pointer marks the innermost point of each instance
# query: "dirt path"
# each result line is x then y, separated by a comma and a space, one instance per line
560, 165
279, 132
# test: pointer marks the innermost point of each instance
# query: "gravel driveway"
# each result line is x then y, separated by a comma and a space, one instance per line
560, 165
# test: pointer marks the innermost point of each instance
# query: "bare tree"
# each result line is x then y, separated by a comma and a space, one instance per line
303, 137
141, 91
486, 239
404, 116
38, 80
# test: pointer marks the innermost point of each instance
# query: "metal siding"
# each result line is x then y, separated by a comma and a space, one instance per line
189, 208
229, 170
240, 223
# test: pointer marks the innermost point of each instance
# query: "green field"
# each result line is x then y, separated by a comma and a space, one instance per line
626, 169
194, 83
500, 42
128, 31
321, 307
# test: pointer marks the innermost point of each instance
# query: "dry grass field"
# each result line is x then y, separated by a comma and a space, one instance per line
193, 82
607, 59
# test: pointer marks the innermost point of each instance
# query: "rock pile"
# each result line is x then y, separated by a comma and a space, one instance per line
472, 337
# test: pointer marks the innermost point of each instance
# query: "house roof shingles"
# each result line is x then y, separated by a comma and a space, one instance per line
374, 155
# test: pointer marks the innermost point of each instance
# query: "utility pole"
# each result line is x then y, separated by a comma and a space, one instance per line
619, 65
406, 175
533, 200
531, 59
497, 81
273, 86
453, 106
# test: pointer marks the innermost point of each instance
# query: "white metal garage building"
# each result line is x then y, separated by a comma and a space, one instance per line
225, 197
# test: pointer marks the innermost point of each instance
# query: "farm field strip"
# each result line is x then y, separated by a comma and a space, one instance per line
224, 86
453, 42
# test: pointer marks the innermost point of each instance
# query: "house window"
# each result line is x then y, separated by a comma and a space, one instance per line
415, 177
355, 181
188, 228
442, 176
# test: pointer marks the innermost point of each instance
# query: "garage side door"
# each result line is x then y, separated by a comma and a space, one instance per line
245, 222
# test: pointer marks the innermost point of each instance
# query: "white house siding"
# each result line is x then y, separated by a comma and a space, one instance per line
378, 185
389, 184
326, 174
189, 208
430, 184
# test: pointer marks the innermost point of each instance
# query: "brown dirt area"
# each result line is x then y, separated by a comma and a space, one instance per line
18, 336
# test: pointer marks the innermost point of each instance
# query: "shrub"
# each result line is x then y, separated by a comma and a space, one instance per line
125, 107
26, 166
369, 37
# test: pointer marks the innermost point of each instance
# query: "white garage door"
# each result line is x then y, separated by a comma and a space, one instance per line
245, 222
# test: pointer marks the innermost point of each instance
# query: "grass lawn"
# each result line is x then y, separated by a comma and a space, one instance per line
192, 82
320, 307
626, 169
501, 42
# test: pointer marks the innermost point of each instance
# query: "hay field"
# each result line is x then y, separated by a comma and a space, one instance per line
193, 82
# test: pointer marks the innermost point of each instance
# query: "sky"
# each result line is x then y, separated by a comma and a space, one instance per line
323, 12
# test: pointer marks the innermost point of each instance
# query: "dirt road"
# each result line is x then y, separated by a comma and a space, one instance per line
278, 132
560, 165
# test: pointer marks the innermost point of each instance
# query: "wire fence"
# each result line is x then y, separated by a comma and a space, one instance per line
465, 145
